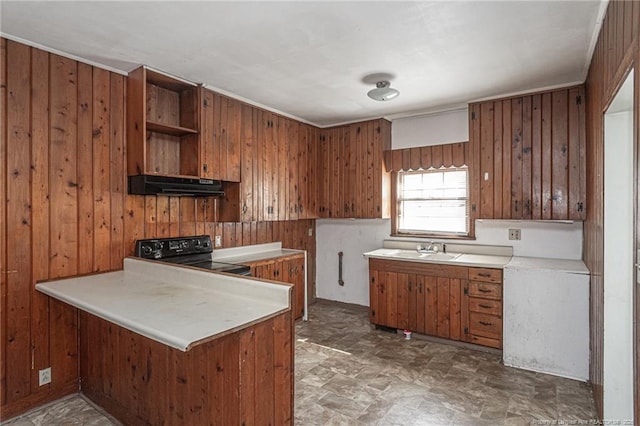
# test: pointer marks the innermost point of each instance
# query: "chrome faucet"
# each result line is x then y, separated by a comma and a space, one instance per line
428, 248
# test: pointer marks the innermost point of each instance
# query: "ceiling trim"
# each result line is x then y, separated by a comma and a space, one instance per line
602, 11
60, 53
528, 92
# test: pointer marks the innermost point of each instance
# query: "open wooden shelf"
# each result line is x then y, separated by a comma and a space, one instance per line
154, 126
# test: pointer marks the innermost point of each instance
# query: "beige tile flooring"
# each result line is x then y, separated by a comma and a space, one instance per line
349, 374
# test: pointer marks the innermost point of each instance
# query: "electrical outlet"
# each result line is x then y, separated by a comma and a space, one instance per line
311, 232
44, 376
514, 234
218, 241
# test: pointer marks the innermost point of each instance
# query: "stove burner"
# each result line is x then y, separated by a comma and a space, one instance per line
192, 251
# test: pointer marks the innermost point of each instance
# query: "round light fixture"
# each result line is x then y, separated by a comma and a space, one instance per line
383, 92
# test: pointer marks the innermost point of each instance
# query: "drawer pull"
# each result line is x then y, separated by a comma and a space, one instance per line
485, 306
484, 274
484, 290
485, 323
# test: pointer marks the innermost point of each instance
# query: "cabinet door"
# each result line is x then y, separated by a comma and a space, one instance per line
307, 172
402, 301
248, 161
292, 162
294, 270
442, 303
529, 156
383, 308
324, 171
231, 145
210, 159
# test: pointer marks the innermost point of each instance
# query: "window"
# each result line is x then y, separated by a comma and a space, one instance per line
434, 202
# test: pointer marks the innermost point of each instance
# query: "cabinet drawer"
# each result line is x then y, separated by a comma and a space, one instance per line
485, 275
485, 290
484, 306
485, 341
485, 325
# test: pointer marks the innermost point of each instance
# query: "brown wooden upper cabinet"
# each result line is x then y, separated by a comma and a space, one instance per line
277, 167
529, 156
353, 181
177, 128
221, 136
163, 125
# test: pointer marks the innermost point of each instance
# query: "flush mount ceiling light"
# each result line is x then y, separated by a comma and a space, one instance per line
383, 92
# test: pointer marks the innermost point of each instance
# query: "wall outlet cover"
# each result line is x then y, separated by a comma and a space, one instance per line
44, 376
514, 234
218, 241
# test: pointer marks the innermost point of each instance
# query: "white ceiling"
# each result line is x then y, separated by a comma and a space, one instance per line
310, 59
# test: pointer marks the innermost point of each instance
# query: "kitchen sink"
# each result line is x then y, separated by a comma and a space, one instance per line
411, 254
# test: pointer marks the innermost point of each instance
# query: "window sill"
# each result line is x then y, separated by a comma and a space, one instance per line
433, 236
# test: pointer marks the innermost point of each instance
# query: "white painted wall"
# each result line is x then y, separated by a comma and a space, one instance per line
618, 262
352, 237
433, 129
560, 240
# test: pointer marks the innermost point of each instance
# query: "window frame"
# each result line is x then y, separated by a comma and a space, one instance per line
395, 180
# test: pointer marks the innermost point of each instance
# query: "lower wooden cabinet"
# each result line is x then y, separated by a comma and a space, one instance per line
287, 270
451, 302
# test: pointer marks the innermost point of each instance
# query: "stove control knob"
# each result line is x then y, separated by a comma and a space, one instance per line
147, 249
158, 246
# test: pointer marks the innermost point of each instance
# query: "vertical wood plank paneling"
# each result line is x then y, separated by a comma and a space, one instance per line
162, 216
118, 185
101, 169
283, 366
431, 303
559, 153
40, 204
443, 307
18, 217
474, 164
402, 301
516, 158
373, 296
507, 149
455, 301
498, 182
150, 225
3, 239
63, 176
536, 157
85, 169
546, 156
486, 160
576, 156
526, 157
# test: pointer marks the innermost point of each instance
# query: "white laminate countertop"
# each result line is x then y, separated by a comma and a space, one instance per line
569, 266
252, 253
175, 305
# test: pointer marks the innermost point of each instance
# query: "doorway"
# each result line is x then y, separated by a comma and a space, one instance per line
619, 247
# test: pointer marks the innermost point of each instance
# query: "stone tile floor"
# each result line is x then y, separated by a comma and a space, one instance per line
349, 374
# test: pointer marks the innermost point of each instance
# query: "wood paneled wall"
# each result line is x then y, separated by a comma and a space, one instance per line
63, 182
616, 51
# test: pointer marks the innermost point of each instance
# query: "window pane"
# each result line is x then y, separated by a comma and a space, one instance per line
433, 202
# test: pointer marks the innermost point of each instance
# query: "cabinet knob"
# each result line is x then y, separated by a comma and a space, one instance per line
244, 208
205, 167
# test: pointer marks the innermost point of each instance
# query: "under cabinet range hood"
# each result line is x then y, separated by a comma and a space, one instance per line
175, 186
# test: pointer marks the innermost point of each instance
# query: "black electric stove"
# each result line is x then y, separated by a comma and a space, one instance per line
191, 251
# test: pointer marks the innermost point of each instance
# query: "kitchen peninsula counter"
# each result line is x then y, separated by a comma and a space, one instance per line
175, 305
166, 344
